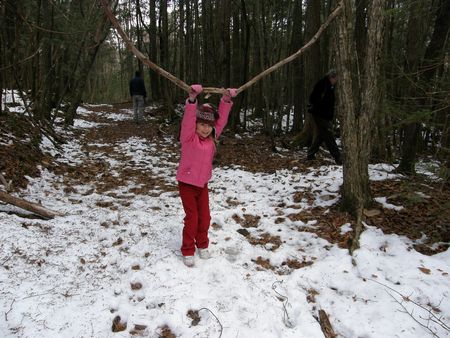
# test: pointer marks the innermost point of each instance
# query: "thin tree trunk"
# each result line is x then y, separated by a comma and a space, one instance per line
155, 91
411, 131
164, 43
358, 99
313, 64
297, 68
97, 38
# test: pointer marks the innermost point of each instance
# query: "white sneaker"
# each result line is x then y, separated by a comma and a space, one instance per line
204, 254
188, 261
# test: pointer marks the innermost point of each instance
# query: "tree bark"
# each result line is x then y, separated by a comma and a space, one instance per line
313, 64
164, 43
411, 130
297, 69
359, 94
79, 82
155, 90
325, 325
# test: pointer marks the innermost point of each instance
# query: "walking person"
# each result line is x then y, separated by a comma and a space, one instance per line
200, 128
138, 94
322, 101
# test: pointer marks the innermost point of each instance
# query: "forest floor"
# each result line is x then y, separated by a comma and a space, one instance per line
424, 199
276, 219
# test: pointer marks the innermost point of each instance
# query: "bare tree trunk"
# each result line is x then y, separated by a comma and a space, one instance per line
164, 43
361, 31
155, 90
225, 43
411, 131
313, 64
359, 94
297, 69
196, 59
79, 83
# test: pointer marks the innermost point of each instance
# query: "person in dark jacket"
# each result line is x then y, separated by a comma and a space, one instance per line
138, 94
322, 109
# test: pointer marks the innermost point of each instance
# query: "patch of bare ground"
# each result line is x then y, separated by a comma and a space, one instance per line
425, 213
426, 206
19, 150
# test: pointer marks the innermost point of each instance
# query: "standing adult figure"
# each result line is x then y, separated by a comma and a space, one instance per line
138, 94
322, 101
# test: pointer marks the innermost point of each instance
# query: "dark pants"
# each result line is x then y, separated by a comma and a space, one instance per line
324, 134
138, 107
196, 222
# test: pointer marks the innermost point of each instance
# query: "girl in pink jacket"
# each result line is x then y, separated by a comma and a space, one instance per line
200, 127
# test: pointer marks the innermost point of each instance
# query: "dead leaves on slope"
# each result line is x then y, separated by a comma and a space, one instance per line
249, 221
425, 212
325, 223
286, 266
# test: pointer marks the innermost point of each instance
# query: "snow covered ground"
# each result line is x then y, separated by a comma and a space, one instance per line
117, 254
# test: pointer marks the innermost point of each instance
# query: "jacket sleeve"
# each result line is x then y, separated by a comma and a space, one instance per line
224, 112
188, 123
316, 96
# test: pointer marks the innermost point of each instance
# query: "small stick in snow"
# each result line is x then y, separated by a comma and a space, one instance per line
221, 327
285, 301
10, 308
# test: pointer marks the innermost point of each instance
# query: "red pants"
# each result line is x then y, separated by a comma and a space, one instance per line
196, 222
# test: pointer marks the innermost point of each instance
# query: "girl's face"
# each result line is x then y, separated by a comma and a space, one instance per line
203, 129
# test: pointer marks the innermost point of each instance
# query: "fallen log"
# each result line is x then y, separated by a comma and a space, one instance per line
29, 206
325, 325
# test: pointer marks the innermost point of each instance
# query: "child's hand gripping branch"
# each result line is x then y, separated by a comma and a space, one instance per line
195, 90
195, 168
229, 93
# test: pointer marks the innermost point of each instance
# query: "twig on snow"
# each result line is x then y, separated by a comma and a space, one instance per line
7, 259
285, 301
10, 309
221, 327
411, 314
431, 316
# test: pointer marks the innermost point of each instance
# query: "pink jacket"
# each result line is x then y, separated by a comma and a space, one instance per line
197, 154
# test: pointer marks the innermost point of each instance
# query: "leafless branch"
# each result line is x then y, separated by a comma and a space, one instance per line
285, 301
10, 309
213, 90
431, 316
221, 327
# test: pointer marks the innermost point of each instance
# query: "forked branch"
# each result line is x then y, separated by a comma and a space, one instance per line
213, 90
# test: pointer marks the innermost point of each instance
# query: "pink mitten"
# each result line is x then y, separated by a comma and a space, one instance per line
230, 92
195, 90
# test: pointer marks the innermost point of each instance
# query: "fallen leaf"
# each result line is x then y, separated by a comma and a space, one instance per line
425, 270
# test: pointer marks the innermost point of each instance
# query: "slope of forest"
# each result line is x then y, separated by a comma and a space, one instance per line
278, 239
299, 248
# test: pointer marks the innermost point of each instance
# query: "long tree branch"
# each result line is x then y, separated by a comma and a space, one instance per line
313, 40
213, 90
138, 53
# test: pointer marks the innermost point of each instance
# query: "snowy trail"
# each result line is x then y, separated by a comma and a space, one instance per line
117, 253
